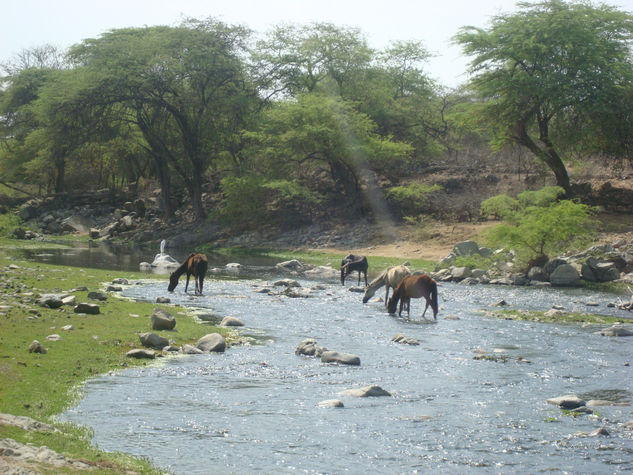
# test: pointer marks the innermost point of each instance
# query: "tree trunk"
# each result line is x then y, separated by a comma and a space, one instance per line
162, 169
548, 155
60, 169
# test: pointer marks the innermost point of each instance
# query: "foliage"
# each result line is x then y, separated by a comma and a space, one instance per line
411, 199
8, 224
545, 77
504, 206
534, 230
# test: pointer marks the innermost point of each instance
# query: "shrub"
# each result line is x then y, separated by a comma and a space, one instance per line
533, 230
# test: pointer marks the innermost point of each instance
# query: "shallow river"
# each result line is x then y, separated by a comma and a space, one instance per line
254, 408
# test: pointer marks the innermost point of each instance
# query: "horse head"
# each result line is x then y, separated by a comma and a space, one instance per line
173, 281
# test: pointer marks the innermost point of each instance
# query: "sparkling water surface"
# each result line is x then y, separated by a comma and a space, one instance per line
254, 408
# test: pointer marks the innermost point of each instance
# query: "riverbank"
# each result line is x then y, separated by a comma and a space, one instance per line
78, 347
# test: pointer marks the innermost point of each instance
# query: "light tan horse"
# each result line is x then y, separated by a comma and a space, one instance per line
414, 287
390, 277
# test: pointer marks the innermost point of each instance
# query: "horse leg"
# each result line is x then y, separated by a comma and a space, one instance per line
427, 306
366, 284
187, 283
387, 295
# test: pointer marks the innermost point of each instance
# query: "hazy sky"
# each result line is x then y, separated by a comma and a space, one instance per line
29, 23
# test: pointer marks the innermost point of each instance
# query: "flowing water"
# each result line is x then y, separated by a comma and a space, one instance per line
254, 408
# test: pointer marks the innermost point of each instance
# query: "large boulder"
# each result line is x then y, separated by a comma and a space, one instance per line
551, 265
89, 308
50, 301
152, 340
213, 342
594, 270
162, 320
466, 248
565, 275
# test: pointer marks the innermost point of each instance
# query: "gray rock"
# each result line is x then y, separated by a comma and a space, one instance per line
466, 248
152, 340
54, 337
567, 402
37, 347
114, 288
162, 320
293, 264
309, 347
190, 350
102, 296
342, 358
231, 322
565, 275
331, 403
89, 308
459, 273
213, 342
405, 340
163, 300
536, 274
69, 300
120, 281
50, 301
615, 330
286, 282
141, 354
368, 391
551, 265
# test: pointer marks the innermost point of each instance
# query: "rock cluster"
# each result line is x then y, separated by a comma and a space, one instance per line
601, 263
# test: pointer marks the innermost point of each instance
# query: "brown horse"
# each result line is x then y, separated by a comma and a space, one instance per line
351, 263
414, 286
196, 265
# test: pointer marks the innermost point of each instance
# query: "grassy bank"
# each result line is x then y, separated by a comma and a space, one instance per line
43, 385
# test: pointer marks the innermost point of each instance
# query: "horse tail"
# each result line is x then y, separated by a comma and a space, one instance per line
434, 297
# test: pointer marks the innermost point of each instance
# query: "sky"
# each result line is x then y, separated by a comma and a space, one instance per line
30, 23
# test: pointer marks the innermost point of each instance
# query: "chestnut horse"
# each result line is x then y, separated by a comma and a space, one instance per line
390, 278
414, 286
196, 265
351, 263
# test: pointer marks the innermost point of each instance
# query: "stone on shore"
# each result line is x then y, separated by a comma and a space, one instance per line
89, 308
331, 403
162, 320
152, 340
141, 354
231, 322
213, 342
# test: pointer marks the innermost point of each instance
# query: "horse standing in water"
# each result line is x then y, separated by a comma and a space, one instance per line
414, 286
390, 277
351, 263
196, 265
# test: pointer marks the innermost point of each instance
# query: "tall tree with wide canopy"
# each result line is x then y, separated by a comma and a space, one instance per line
180, 85
552, 77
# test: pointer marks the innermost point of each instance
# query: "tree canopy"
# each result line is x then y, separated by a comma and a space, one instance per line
545, 76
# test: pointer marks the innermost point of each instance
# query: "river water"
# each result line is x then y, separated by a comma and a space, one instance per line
254, 408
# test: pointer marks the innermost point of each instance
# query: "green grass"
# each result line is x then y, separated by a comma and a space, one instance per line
44, 385
376, 263
540, 316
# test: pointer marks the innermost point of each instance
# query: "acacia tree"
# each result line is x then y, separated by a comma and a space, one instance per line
178, 85
550, 75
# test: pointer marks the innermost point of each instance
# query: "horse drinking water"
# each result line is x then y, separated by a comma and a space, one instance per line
351, 263
390, 278
196, 265
414, 286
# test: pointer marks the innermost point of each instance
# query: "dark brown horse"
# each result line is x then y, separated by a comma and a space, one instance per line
196, 265
351, 263
414, 286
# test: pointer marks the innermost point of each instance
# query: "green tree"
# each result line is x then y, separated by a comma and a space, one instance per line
319, 133
552, 77
185, 87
